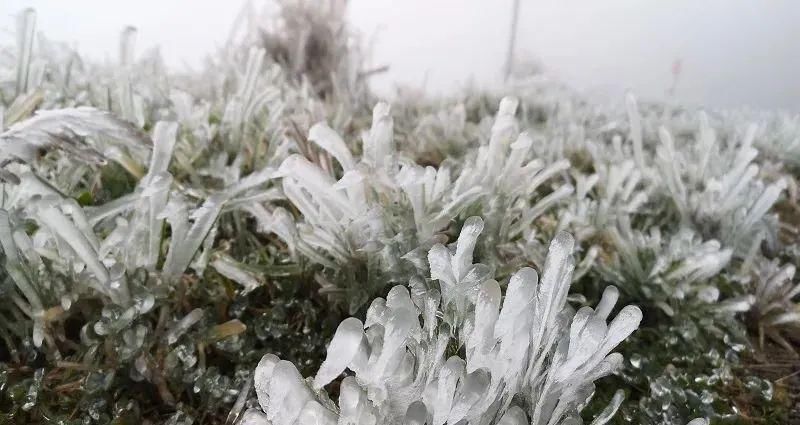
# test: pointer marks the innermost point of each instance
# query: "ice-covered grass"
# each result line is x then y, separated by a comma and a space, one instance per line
185, 248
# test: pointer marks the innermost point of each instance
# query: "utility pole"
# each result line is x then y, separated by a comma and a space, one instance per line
512, 39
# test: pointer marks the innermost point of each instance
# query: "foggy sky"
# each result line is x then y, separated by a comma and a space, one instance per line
733, 52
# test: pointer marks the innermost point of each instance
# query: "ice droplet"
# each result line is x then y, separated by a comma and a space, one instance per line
32, 397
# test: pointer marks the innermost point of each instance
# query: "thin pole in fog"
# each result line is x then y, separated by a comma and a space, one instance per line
512, 39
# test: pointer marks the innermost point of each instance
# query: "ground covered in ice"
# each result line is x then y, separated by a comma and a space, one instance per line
263, 241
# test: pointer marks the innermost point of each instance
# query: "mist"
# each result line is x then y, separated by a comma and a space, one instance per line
732, 53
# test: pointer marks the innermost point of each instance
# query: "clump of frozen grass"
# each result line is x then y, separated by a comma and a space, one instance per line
101, 246
111, 139
498, 168
775, 311
665, 269
713, 184
612, 193
107, 268
776, 136
528, 357
342, 203
444, 131
379, 208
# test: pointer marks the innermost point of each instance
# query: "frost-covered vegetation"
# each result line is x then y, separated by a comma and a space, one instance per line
184, 248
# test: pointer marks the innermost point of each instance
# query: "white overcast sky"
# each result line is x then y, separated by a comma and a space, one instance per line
734, 52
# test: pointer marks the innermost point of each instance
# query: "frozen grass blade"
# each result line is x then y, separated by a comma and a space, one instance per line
26, 27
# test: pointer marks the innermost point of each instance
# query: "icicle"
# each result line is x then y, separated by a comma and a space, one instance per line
127, 45
32, 397
235, 271
183, 325
125, 95
379, 146
636, 130
181, 253
503, 131
59, 224
348, 347
14, 268
764, 202
26, 28
611, 409
164, 137
330, 141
